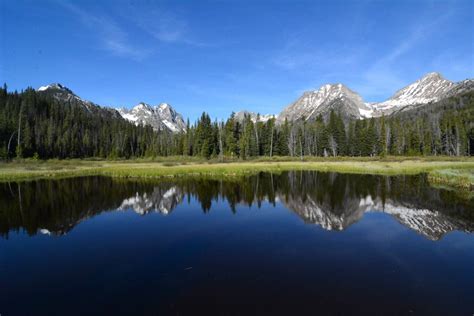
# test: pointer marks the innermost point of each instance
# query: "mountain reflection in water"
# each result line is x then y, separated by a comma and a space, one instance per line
332, 201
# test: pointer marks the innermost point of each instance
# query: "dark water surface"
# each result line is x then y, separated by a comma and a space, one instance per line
293, 243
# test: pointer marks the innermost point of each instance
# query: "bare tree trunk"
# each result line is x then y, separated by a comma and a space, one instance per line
256, 137
20, 201
19, 128
273, 188
9, 142
255, 196
291, 142
315, 145
11, 190
301, 150
220, 144
458, 142
271, 142
303, 138
387, 138
309, 141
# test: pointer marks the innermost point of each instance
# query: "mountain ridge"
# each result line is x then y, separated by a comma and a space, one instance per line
255, 117
160, 117
431, 87
320, 101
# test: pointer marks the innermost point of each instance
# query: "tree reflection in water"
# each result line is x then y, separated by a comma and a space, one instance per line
333, 201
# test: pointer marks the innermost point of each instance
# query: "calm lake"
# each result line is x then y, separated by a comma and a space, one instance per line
290, 243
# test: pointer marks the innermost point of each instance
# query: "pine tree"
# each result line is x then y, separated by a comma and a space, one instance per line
371, 139
231, 136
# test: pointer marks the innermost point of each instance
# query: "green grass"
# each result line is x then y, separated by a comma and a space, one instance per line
458, 178
447, 170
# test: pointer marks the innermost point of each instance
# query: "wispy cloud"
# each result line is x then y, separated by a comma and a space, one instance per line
302, 53
112, 37
168, 29
321, 63
163, 25
372, 70
382, 75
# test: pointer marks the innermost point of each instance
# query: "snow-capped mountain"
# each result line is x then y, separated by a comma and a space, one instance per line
53, 86
330, 96
430, 88
427, 90
161, 200
255, 117
323, 213
160, 117
460, 87
432, 224
64, 94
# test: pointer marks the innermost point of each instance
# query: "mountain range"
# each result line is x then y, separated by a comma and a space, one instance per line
429, 89
431, 223
160, 117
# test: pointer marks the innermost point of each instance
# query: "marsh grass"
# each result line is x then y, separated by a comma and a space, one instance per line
455, 172
459, 178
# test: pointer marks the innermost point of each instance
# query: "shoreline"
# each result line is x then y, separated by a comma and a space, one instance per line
453, 172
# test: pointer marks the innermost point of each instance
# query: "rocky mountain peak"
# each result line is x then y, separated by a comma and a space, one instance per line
164, 106
166, 109
432, 76
160, 117
255, 117
431, 87
143, 105
65, 95
55, 86
328, 97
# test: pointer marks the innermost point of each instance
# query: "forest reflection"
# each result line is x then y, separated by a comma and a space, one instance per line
331, 200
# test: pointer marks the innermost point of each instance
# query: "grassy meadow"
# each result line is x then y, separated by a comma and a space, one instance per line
449, 171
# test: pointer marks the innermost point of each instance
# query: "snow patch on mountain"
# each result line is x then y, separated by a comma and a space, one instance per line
367, 112
160, 117
429, 88
321, 101
254, 117
54, 86
161, 200
429, 223
64, 94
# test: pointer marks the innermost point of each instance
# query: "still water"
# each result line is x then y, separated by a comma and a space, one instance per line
292, 243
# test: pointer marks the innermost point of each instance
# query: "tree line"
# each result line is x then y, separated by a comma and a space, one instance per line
37, 125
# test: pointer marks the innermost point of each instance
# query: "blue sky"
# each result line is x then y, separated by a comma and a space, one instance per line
220, 56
